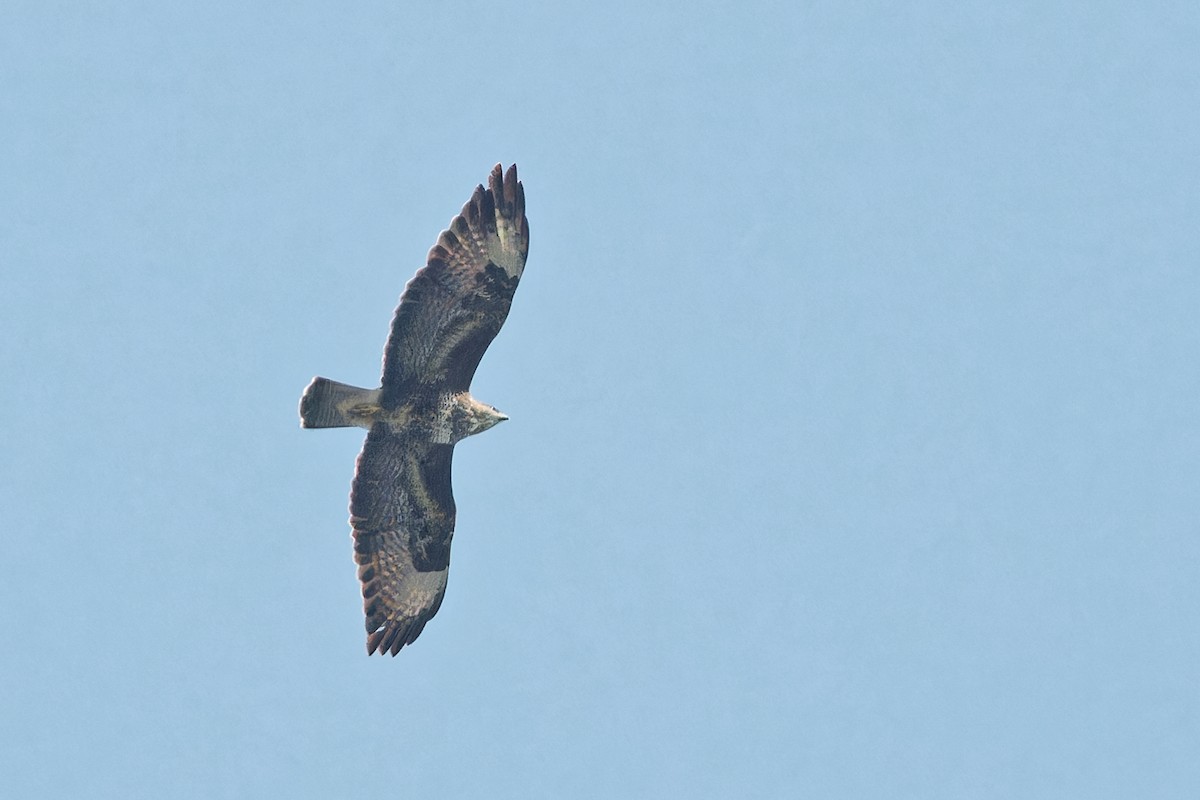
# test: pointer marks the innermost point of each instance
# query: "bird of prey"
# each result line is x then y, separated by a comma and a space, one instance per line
401, 504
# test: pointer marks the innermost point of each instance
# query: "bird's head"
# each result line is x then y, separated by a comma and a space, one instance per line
477, 417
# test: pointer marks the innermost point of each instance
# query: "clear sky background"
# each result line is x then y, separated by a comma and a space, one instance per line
853, 379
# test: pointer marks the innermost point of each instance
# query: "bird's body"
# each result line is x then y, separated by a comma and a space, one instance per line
440, 418
401, 505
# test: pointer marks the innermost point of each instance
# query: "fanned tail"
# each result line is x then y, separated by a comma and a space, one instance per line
329, 404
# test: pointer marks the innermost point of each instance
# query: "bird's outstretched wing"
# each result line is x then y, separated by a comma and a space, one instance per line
402, 513
454, 306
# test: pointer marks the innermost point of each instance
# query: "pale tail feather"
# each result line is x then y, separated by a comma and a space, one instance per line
329, 404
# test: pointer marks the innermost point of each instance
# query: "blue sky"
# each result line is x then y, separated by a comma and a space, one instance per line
853, 379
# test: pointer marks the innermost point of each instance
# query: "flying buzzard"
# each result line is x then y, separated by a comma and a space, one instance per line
401, 504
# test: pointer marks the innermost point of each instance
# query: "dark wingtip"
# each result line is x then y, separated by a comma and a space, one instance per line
393, 635
508, 193
381, 640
